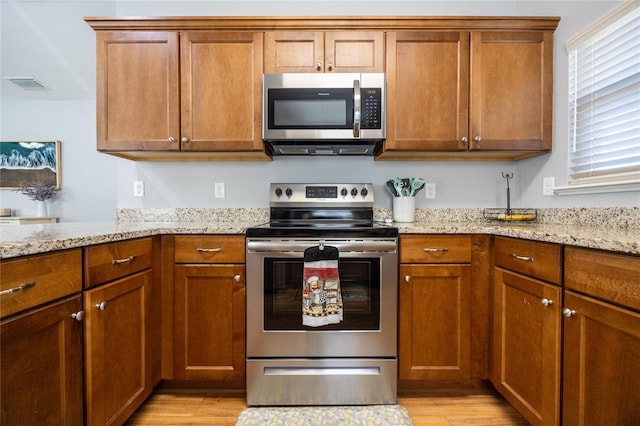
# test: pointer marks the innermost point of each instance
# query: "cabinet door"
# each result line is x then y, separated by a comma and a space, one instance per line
221, 91
526, 345
41, 366
427, 90
354, 51
601, 372
317, 51
118, 380
294, 51
511, 90
435, 317
210, 323
137, 91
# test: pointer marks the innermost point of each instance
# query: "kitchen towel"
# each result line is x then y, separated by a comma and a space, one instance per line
321, 296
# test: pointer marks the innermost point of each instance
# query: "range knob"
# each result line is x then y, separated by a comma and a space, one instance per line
289, 192
344, 192
278, 192
354, 192
364, 192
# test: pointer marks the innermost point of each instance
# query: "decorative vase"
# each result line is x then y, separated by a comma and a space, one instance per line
41, 208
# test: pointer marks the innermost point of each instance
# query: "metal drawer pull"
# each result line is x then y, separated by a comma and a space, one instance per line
525, 258
568, 312
78, 315
236, 278
209, 250
19, 288
102, 306
433, 250
546, 302
407, 278
125, 260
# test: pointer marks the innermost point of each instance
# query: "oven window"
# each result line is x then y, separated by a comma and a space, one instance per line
359, 282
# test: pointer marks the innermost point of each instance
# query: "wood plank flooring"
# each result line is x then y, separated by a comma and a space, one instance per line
433, 407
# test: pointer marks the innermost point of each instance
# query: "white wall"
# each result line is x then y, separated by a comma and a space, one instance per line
95, 184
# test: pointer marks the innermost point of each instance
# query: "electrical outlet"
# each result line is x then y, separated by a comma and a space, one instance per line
218, 189
548, 184
430, 191
138, 188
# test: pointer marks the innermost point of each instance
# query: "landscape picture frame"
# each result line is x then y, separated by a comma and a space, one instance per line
23, 163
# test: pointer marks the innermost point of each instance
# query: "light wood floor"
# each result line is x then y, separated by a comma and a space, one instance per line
435, 407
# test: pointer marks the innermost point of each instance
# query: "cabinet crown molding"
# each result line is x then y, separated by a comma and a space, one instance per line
323, 23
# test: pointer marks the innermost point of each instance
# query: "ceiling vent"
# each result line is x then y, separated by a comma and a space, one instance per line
27, 83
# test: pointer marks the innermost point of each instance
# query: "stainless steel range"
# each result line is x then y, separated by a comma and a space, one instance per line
314, 339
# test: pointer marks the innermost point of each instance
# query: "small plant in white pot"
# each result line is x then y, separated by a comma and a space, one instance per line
40, 192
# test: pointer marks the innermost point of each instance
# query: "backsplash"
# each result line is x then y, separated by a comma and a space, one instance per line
621, 217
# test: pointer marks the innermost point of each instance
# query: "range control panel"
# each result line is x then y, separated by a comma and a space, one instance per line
355, 194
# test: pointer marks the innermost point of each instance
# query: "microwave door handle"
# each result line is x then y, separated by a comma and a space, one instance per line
356, 108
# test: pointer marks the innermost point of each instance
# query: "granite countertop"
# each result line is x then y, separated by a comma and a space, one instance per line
19, 240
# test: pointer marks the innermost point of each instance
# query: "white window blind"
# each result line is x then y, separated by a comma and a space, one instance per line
604, 98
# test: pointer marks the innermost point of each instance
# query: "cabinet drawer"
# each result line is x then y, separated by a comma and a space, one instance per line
209, 249
536, 259
435, 249
609, 276
107, 262
39, 279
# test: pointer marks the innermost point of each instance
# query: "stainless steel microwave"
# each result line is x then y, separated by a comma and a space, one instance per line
324, 113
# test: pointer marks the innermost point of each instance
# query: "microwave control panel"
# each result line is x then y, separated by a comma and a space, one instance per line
371, 106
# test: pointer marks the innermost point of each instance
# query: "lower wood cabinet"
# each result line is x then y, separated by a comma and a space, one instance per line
601, 345
41, 368
209, 309
435, 322
117, 342
436, 308
527, 327
526, 345
122, 328
601, 363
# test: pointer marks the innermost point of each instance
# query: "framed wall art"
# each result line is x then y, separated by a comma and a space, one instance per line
23, 163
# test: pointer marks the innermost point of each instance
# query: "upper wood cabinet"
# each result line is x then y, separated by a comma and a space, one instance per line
319, 51
195, 92
457, 88
484, 94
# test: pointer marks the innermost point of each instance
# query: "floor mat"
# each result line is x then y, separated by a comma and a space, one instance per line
383, 415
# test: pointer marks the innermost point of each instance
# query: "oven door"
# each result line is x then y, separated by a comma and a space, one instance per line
368, 280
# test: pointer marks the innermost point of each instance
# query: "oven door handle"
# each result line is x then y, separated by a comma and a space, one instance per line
343, 246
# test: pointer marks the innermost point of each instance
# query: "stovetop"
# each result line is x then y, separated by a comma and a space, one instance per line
322, 210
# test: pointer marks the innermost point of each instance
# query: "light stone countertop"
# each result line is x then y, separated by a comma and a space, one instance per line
19, 240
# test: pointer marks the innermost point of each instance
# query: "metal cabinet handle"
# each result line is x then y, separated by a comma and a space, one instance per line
546, 302
78, 315
125, 260
407, 278
525, 258
21, 287
209, 250
102, 306
477, 139
433, 249
464, 139
568, 312
171, 139
330, 66
184, 139
237, 278
319, 66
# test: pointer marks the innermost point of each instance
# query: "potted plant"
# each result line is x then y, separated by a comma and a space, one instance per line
39, 192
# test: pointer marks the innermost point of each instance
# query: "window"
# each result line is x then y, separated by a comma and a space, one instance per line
604, 99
